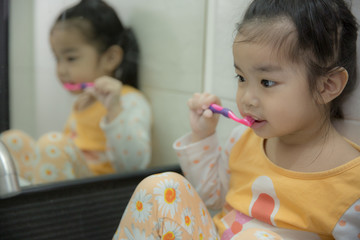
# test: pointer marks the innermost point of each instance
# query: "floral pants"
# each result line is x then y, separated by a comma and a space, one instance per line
165, 206
52, 158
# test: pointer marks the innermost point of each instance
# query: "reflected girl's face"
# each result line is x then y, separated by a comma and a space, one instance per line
77, 61
273, 91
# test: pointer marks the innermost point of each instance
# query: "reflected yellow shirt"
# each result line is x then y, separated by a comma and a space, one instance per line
85, 128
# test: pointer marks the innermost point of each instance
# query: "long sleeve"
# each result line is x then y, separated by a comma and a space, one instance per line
205, 165
348, 226
129, 135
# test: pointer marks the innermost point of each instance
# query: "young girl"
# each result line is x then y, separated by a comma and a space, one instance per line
109, 128
291, 175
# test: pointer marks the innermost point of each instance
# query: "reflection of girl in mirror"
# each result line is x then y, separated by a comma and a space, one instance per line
110, 121
291, 175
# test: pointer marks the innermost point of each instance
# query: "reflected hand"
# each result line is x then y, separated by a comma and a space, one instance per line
202, 120
107, 91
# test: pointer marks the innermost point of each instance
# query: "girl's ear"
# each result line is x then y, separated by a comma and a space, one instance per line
112, 58
333, 84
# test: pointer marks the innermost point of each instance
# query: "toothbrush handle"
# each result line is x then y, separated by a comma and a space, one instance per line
221, 110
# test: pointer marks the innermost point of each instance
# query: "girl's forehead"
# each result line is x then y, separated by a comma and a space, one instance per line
264, 56
65, 32
73, 26
280, 36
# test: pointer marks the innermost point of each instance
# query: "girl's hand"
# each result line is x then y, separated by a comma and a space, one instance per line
202, 120
107, 91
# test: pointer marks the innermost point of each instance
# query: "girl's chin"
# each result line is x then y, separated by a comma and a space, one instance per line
261, 130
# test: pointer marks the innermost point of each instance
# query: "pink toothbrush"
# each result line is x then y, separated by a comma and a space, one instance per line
77, 86
247, 121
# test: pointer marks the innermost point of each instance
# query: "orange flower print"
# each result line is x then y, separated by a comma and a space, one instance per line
54, 136
14, 142
203, 214
52, 151
187, 220
141, 206
171, 232
188, 187
48, 172
136, 234
201, 234
168, 196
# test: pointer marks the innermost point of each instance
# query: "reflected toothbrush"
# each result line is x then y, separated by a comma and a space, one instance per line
78, 86
247, 121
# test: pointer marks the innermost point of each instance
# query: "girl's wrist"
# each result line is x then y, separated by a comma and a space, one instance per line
198, 137
113, 112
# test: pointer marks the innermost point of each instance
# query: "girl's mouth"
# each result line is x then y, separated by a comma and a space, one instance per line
258, 124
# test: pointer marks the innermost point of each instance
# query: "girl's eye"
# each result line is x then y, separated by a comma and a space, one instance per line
240, 78
267, 83
71, 59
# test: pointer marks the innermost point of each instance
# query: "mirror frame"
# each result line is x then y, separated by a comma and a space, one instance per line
4, 66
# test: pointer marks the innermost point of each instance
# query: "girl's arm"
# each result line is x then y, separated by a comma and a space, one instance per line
205, 165
348, 226
128, 135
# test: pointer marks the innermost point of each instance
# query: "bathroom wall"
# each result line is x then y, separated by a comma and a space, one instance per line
185, 46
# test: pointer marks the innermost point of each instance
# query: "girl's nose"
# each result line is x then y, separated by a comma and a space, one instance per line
250, 98
61, 70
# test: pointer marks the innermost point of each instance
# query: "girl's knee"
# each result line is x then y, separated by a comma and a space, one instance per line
15, 137
152, 181
54, 138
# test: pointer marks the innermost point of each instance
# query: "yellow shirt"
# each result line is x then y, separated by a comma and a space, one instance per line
85, 125
311, 202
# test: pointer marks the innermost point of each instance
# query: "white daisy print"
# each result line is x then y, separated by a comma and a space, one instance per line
263, 235
203, 214
14, 142
140, 206
188, 186
48, 172
171, 231
54, 136
69, 171
187, 220
136, 234
201, 234
213, 234
71, 152
29, 158
52, 151
168, 196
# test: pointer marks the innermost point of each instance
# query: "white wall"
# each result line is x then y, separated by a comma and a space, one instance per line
185, 47
21, 72
220, 75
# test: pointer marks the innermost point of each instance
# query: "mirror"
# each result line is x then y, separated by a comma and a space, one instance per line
185, 48
170, 36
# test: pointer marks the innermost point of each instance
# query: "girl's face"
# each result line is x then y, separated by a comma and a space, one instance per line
76, 60
273, 91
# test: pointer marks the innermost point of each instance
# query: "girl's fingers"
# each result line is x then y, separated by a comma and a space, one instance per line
208, 113
200, 102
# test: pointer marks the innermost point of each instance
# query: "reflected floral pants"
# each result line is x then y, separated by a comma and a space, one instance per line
165, 206
52, 158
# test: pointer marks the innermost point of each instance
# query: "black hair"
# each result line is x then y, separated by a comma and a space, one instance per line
105, 30
323, 36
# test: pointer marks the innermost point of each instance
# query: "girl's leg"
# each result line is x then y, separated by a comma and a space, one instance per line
165, 206
59, 159
22, 148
